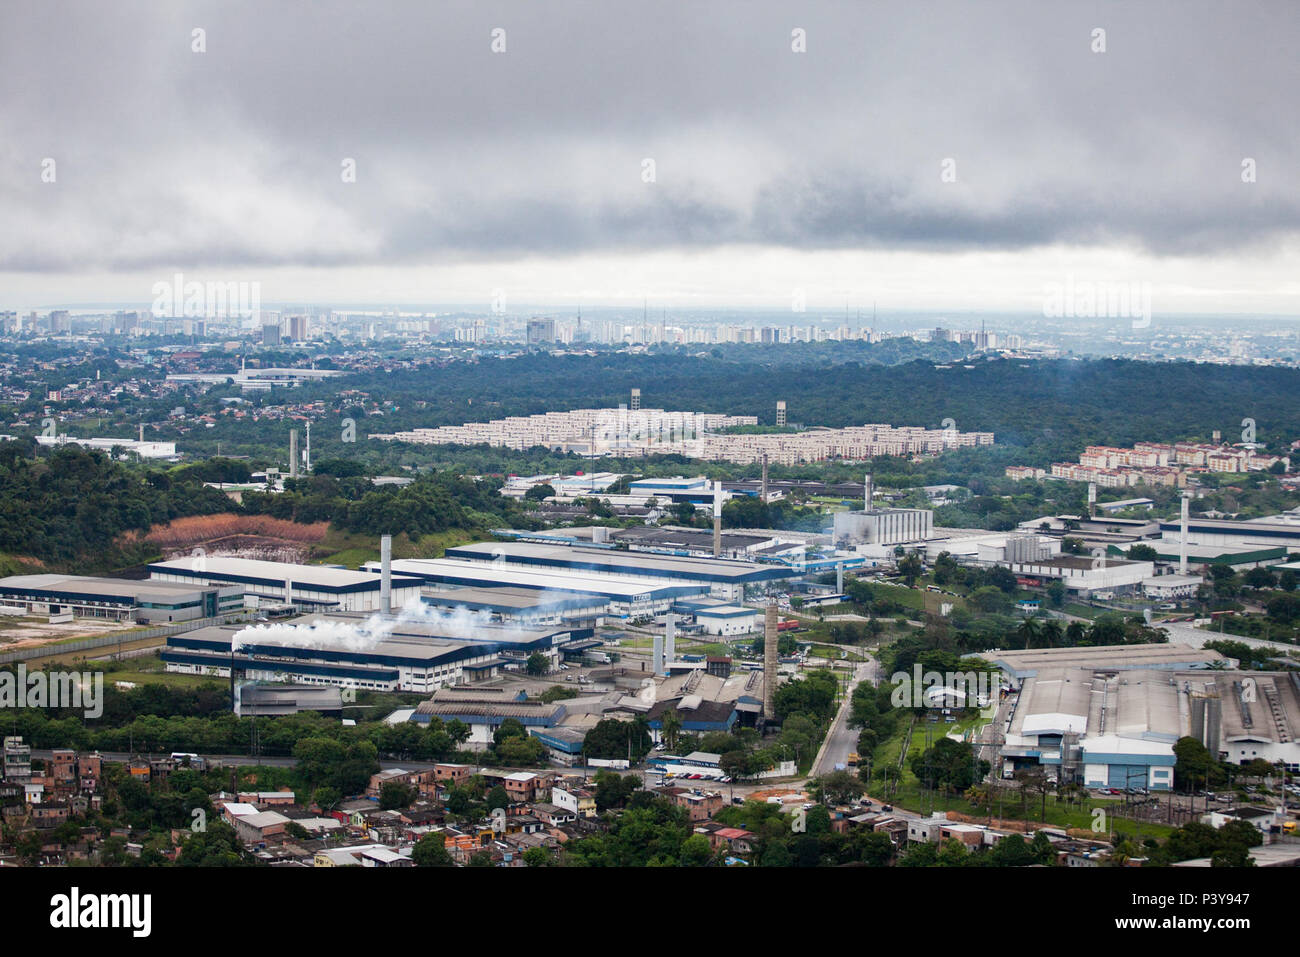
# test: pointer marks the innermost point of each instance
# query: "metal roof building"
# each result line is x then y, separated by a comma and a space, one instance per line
118, 599
311, 585
1026, 663
624, 595
522, 605
358, 652
724, 577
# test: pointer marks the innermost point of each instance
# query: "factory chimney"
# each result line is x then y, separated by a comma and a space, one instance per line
763, 494
386, 574
770, 663
867, 493
839, 578
717, 519
288, 591
670, 638
657, 658
1182, 536
1092, 499
141, 431
293, 453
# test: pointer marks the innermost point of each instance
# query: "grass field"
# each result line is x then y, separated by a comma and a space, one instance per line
149, 669
913, 797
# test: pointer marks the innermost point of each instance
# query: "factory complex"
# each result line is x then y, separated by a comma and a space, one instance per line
375, 653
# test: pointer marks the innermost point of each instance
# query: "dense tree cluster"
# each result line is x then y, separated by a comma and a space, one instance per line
70, 507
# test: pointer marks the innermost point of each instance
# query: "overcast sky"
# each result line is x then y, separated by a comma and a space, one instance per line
774, 171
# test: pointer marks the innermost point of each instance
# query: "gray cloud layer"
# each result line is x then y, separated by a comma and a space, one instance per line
232, 157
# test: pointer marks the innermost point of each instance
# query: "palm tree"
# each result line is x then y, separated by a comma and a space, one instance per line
1027, 632
1075, 632
671, 727
1050, 634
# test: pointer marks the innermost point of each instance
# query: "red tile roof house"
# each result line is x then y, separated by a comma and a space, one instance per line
736, 839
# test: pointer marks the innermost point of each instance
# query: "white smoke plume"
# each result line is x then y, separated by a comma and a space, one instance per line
458, 623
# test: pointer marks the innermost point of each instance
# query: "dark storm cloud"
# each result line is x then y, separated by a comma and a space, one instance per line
232, 157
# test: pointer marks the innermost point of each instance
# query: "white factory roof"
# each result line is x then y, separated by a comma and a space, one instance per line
488, 574
1117, 744
725, 611
1171, 581
618, 561
256, 570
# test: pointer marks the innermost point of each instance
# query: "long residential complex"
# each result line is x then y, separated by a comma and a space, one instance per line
695, 434
1151, 463
585, 431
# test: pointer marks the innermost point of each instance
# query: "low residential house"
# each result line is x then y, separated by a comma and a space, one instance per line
524, 786
578, 800
699, 805
50, 814
553, 815
736, 840
233, 810
262, 827
268, 798
63, 768
363, 855
452, 773
390, 776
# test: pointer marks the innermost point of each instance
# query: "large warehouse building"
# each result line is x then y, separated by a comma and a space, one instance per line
1119, 729
311, 586
374, 653
621, 596
724, 578
117, 599
1257, 533
522, 606
1109, 716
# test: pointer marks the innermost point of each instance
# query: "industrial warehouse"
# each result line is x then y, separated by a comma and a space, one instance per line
725, 579
116, 599
620, 596
307, 586
376, 652
1109, 716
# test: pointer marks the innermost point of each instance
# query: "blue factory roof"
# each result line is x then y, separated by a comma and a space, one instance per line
619, 562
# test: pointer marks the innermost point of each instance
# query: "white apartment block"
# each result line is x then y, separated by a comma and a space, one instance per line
695, 434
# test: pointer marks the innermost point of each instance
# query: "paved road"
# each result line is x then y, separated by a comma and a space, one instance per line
1181, 633
842, 739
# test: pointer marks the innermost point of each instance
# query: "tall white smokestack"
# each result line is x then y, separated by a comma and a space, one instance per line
867, 494
293, 453
386, 574
717, 519
670, 638
657, 661
763, 493
288, 591
1182, 536
839, 578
